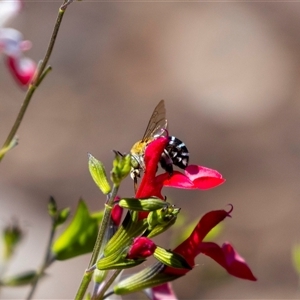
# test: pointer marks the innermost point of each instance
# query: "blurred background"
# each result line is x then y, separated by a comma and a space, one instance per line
229, 74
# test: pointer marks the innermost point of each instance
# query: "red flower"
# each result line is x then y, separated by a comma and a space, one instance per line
226, 256
194, 177
141, 247
161, 292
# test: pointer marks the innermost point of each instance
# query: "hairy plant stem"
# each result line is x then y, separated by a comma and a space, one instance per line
87, 276
38, 78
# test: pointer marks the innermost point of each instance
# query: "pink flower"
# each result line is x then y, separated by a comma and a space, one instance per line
12, 45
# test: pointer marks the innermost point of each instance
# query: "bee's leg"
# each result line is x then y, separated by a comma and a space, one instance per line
135, 186
166, 162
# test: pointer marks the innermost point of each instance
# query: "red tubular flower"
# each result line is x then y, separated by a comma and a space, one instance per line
226, 256
194, 177
141, 247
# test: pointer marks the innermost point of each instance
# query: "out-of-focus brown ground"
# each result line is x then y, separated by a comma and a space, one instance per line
229, 73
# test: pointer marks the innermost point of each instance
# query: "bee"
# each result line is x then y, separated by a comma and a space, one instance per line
175, 153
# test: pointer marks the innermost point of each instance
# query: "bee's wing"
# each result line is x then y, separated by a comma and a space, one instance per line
158, 122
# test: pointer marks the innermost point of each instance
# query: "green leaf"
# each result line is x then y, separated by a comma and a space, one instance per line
171, 259
20, 279
98, 173
296, 258
79, 237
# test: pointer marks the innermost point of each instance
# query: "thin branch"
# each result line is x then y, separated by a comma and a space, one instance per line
40, 75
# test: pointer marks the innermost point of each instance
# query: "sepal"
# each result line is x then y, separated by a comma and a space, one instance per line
148, 277
118, 260
171, 259
130, 228
148, 204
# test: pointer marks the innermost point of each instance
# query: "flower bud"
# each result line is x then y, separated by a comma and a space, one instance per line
141, 247
98, 173
162, 216
121, 168
12, 235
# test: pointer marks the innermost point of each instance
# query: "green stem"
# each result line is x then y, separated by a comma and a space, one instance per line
101, 233
37, 79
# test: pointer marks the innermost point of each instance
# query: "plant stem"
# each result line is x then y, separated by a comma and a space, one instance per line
108, 283
37, 79
47, 262
101, 233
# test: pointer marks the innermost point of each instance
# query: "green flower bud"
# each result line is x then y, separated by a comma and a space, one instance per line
148, 204
52, 207
98, 173
121, 168
20, 279
162, 216
12, 235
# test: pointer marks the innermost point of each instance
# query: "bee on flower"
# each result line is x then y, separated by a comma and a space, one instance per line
175, 153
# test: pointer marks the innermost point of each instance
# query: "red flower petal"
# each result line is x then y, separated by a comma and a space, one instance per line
236, 265
149, 185
205, 183
177, 180
202, 177
141, 247
189, 249
194, 172
161, 292
228, 258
